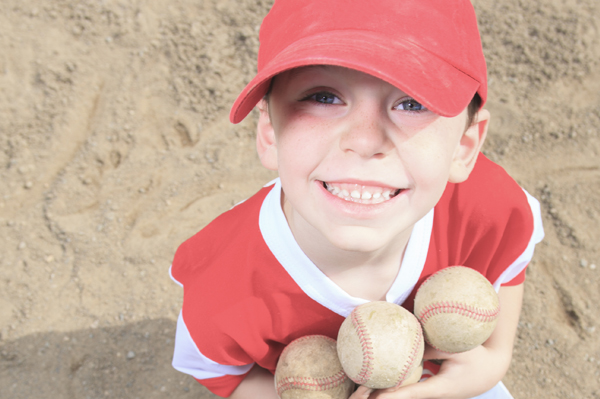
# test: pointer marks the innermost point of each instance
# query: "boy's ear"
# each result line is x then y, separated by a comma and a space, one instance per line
266, 145
468, 149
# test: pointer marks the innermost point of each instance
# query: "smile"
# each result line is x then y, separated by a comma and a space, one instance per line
361, 194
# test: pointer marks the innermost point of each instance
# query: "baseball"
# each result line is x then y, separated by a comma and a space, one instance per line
458, 309
308, 368
380, 345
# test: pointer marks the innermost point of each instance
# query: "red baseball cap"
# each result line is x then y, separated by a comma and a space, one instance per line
429, 49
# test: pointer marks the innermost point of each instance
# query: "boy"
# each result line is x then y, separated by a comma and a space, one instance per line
371, 112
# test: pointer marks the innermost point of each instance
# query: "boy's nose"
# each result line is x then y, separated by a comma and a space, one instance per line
365, 134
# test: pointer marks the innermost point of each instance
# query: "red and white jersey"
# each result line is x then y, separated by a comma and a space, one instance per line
249, 289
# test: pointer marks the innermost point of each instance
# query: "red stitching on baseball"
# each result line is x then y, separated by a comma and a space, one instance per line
412, 357
367, 349
436, 308
311, 384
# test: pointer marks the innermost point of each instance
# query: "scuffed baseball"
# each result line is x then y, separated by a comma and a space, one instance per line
458, 309
414, 377
380, 345
309, 368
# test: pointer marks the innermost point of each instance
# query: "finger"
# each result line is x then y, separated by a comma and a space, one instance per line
361, 393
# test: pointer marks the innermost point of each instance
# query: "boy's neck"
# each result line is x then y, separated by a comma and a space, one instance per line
366, 275
363, 277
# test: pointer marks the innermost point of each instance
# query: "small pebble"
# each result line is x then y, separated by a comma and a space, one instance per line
130, 355
583, 263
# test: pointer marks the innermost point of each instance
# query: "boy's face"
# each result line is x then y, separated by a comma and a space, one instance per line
360, 161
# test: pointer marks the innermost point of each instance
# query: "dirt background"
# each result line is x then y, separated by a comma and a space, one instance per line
116, 146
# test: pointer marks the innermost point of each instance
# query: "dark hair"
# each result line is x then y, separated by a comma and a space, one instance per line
473, 109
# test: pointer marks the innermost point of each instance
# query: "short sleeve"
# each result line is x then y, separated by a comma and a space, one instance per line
488, 223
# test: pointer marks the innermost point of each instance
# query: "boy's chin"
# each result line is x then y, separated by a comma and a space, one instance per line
359, 241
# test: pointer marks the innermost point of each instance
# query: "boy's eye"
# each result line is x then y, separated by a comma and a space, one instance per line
411, 105
324, 98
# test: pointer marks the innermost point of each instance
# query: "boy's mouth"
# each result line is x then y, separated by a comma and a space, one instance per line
360, 193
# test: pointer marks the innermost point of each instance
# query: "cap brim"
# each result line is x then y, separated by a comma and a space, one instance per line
440, 86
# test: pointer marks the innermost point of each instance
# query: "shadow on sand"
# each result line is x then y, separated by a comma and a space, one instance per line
132, 361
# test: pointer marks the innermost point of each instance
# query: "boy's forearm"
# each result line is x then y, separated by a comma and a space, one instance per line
486, 365
501, 342
498, 348
503, 337
468, 374
258, 384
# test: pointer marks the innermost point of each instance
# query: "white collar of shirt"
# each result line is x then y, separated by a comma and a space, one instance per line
280, 240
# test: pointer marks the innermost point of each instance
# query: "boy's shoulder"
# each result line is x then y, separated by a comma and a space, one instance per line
489, 193
488, 208
487, 222
216, 238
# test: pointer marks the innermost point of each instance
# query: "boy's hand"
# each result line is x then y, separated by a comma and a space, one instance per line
461, 376
468, 374
362, 393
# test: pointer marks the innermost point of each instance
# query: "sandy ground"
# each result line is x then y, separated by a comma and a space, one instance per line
116, 146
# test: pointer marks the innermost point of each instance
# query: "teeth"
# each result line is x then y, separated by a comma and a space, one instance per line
361, 194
